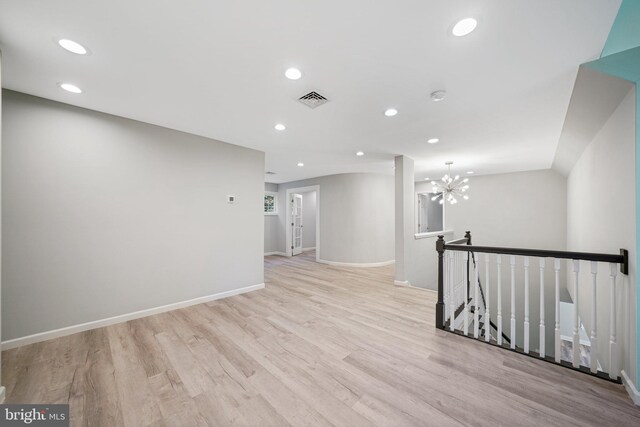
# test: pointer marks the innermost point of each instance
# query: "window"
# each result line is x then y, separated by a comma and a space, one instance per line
270, 203
430, 213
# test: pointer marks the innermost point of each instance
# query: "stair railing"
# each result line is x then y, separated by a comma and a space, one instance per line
457, 308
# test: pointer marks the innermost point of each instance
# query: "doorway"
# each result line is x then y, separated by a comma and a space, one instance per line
303, 221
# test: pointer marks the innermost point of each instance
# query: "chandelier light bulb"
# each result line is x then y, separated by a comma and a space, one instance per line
449, 189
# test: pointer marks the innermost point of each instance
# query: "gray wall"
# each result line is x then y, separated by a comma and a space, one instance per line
105, 216
601, 214
356, 217
523, 209
309, 219
2, 389
271, 224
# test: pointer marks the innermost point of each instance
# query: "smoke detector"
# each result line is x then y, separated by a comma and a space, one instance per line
313, 99
438, 95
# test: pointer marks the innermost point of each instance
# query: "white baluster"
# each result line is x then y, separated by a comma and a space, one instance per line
513, 302
526, 304
447, 285
613, 351
576, 324
499, 318
452, 300
466, 293
542, 334
476, 312
594, 319
557, 323
487, 314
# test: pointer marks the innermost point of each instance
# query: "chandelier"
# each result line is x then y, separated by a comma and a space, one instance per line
450, 189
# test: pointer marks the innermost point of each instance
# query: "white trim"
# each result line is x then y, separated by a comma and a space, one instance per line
356, 264
56, 333
287, 244
2, 394
432, 234
570, 339
275, 253
312, 248
407, 284
631, 388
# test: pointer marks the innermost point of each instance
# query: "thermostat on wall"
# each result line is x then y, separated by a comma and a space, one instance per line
231, 199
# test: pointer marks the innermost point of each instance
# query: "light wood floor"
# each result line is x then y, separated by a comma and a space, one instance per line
321, 346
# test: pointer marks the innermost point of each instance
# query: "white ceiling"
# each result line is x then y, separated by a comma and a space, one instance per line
215, 68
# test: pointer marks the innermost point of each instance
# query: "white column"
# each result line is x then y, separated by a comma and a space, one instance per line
499, 318
526, 305
557, 318
487, 313
404, 216
542, 326
576, 323
513, 301
613, 351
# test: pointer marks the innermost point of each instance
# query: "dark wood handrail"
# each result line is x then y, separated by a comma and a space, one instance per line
622, 258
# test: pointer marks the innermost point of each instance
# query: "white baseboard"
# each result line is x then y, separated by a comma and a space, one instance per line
407, 284
631, 388
69, 330
275, 253
356, 264
2, 394
402, 283
313, 248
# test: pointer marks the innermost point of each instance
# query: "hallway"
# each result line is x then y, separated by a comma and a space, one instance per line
320, 345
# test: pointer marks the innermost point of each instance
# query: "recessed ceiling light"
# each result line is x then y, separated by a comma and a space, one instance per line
279, 126
70, 88
300, 164
438, 95
293, 74
73, 47
391, 112
433, 140
360, 153
464, 27
470, 173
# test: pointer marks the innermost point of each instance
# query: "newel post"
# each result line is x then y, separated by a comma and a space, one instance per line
440, 303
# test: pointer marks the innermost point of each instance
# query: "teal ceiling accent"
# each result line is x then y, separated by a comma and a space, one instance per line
621, 58
625, 33
624, 65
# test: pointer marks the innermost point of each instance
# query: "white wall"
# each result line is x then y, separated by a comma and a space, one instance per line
523, 209
105, 216
601, 218
356, 217
271, 225
309, 219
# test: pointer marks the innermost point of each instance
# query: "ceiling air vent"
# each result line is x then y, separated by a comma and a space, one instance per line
313, 99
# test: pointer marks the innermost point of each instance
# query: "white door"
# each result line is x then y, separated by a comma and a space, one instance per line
296, 224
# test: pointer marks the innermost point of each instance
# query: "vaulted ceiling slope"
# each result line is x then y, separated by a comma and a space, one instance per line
216, 68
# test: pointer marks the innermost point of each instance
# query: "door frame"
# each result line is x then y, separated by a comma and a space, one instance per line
287, 227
